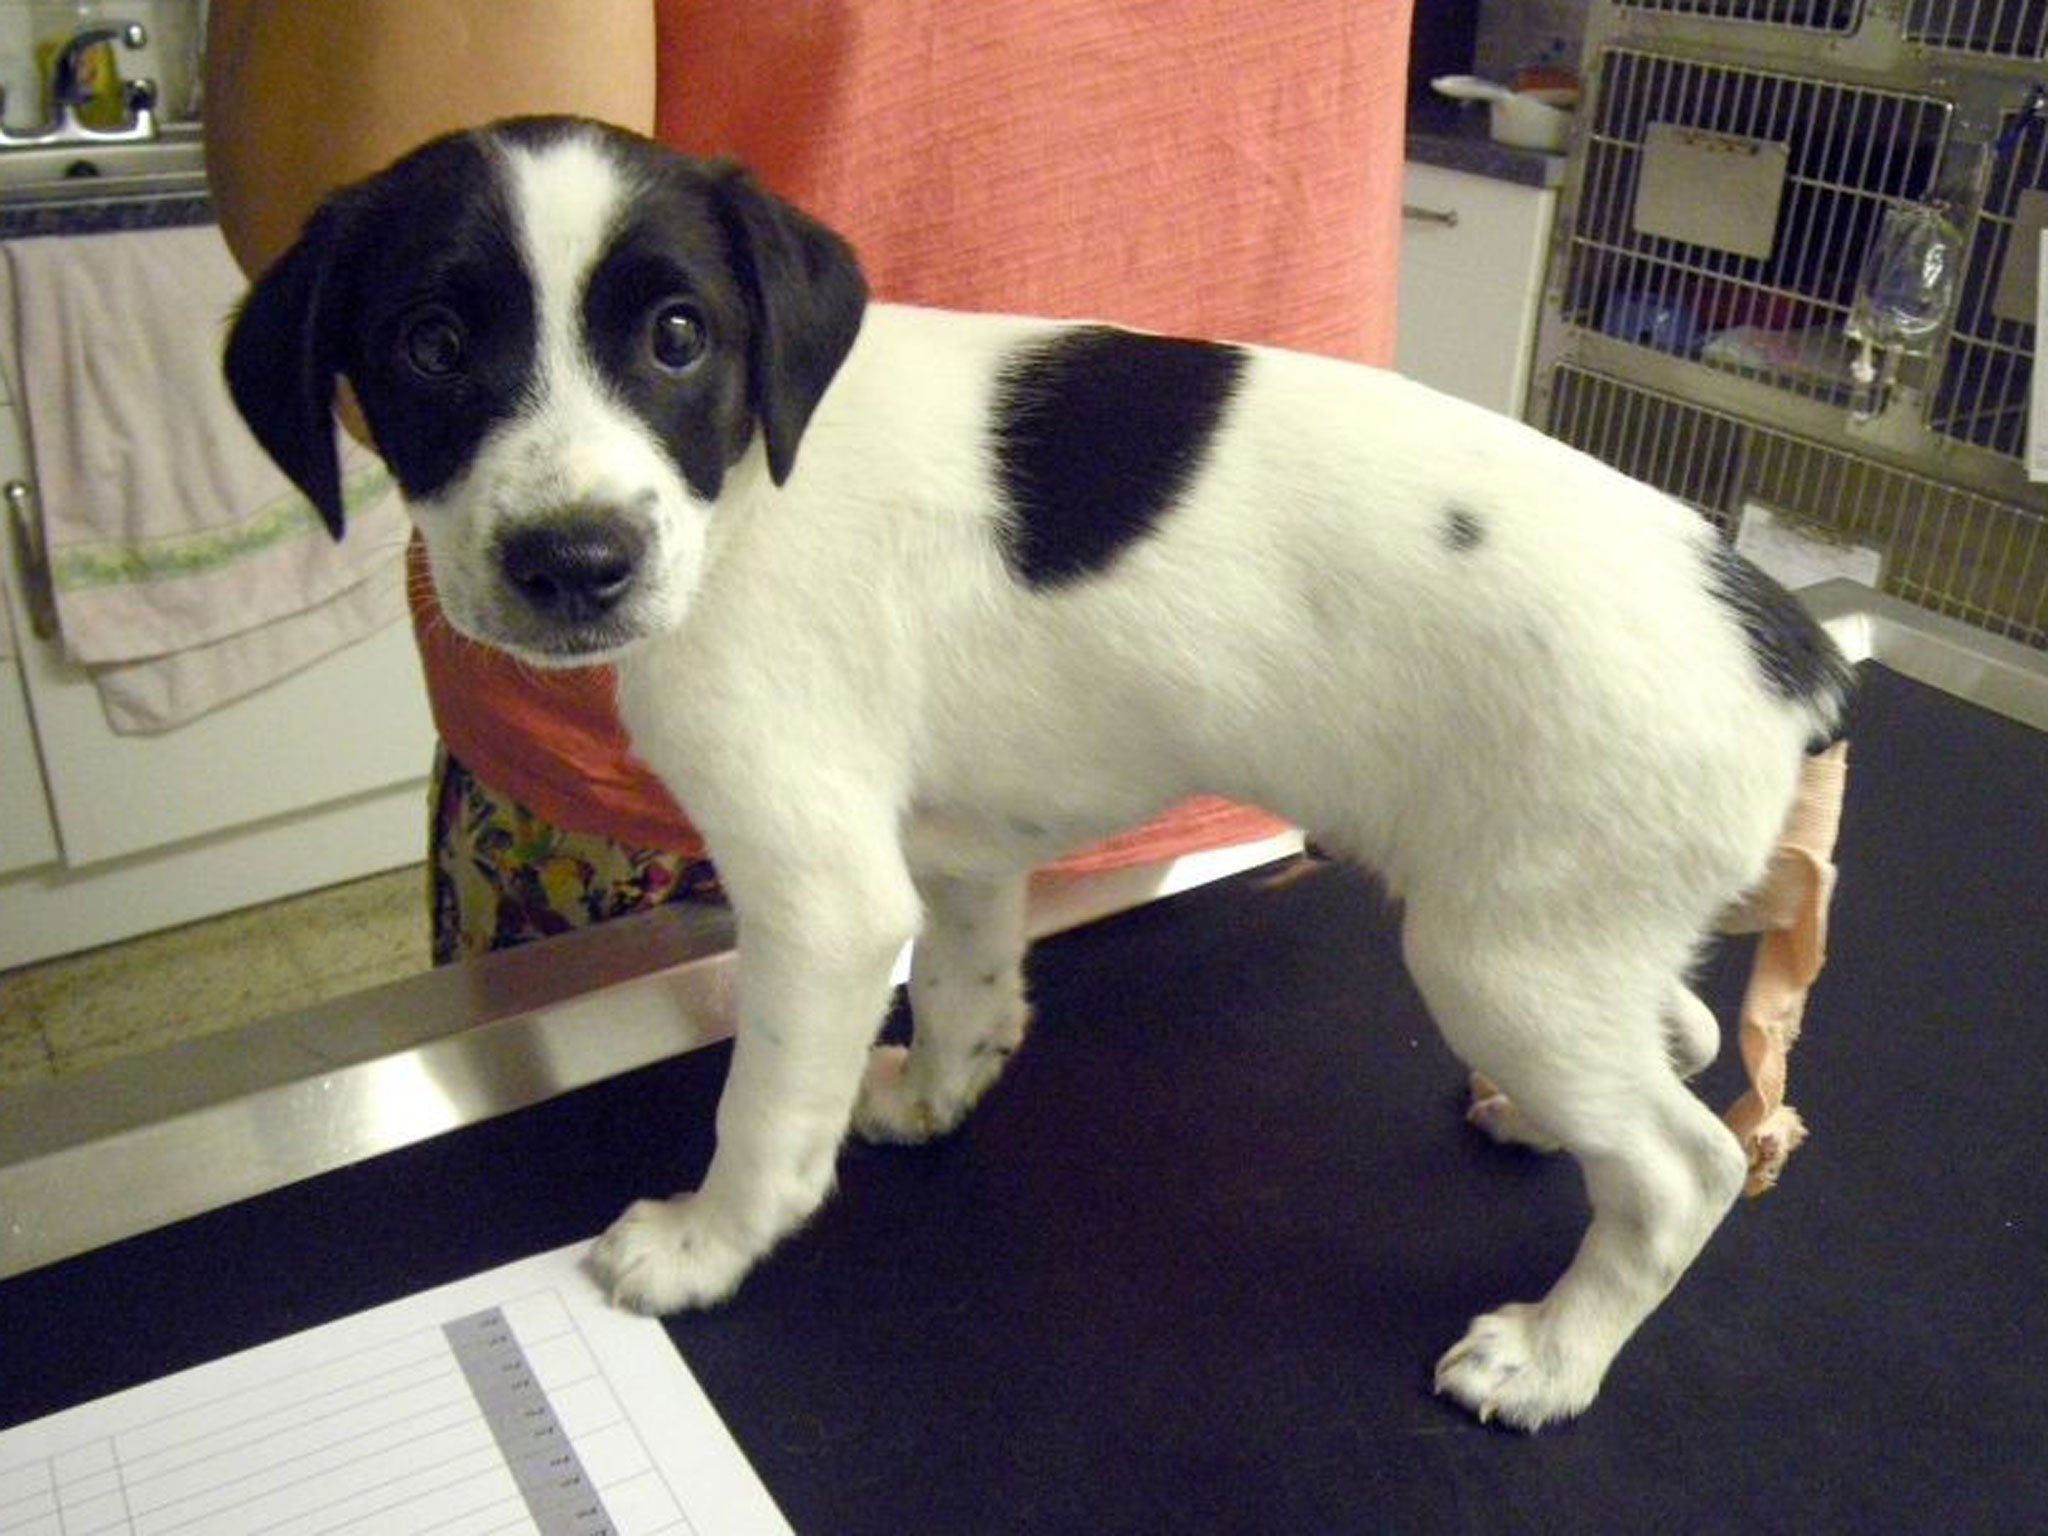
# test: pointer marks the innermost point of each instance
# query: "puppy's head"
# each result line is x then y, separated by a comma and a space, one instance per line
562, 338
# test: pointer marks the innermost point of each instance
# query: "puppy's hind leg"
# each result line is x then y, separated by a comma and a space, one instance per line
1692, 1034
967, 1008
1692, 1038
1578, 1042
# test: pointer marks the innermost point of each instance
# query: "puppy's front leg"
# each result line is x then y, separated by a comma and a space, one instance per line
813, 986
967, 1009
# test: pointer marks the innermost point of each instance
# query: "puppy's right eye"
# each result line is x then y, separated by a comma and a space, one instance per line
434, 344
677, 337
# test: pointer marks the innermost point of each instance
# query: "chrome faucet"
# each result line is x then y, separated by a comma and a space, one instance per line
68, 93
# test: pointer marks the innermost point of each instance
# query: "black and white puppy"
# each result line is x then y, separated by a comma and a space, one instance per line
903, 603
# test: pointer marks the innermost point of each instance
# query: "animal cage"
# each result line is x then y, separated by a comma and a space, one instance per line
1734, 163
1723, 212
1946, 548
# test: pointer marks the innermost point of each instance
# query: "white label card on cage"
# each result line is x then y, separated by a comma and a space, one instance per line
2014, 297
2037, 388
1712, 189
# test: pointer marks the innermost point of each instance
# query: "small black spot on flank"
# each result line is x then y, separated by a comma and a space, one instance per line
1462, 531
1098, 431
1793, 653
990, 979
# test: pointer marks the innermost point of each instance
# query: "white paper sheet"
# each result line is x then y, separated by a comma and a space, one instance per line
517, 1401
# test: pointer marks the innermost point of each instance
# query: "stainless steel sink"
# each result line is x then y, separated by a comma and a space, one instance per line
171, 164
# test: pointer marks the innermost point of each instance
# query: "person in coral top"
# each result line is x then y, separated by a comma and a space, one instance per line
1197, 169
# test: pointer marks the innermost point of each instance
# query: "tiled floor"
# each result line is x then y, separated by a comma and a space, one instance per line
71, 1014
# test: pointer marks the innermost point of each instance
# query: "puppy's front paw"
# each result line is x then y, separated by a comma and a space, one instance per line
1508, 1368
667, 1255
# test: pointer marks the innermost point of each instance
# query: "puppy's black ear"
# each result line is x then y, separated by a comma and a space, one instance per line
805, 296
283, 356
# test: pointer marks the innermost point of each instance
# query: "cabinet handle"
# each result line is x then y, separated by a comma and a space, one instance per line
1448, 217
25, 529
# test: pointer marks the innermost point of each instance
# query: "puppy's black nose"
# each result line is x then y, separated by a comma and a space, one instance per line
574, 569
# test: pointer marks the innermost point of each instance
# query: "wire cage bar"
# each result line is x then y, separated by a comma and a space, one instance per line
1684, 450
1993, 29
1846, 152
1953, 550
1999, 29
1840, 17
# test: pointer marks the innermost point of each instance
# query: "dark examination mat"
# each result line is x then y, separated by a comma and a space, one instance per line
1188, 1268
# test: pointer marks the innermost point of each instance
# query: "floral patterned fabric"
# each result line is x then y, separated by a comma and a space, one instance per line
501, 875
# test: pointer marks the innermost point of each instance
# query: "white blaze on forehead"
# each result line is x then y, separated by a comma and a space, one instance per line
567, 198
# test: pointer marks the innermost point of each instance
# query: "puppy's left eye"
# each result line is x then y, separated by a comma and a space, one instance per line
676, 337
435, 343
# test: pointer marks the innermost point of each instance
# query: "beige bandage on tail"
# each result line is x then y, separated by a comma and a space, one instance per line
1790, 910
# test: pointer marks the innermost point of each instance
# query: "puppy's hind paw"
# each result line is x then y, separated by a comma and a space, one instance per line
1495, 1113
1502, 1370
665, 1256
891, 1110
903, 1105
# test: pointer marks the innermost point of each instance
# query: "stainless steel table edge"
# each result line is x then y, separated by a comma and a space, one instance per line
1965, 662
151, 1139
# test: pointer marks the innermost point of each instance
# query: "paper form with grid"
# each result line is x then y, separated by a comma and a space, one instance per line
513, 1402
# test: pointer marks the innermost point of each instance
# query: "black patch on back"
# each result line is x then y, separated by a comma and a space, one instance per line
1793, 653
1098, 431
1462, 531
